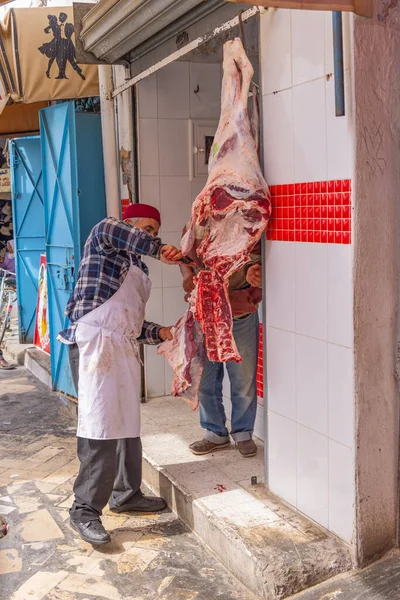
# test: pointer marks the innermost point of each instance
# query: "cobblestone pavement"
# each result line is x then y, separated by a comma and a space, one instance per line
150, 557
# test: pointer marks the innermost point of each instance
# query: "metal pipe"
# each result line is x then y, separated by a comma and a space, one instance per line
338, 63
109, 141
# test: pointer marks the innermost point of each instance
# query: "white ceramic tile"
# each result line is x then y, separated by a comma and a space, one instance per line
154, 267
340, 295
171, 275
154, 368
339, 133
226, 388
173, 305
226, 400
341, 490
173, 91
148, 146
259, 424
281, 373
309, 131
308, 45
226, 396
280, 269
312, 475
206, 103
329, 66
147, 94
175, 202
340, 394
150, 191
197, 187
154, 307
174, 147
169, 376
312, 290
312, 383
276, 51
278, 137
282, 437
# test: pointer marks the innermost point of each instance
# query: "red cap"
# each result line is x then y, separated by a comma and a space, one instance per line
143, 211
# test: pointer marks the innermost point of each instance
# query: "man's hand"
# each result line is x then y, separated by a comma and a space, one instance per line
188, 283
165, 333
254, 276
170, 255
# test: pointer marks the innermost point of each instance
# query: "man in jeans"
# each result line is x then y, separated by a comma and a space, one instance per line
244, 296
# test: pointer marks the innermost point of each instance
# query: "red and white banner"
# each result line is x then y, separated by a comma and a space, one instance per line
42, 333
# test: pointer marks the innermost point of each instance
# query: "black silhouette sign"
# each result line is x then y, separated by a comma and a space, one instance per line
61, 48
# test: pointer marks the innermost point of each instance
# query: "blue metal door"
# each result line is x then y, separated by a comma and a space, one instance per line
29, 236
74, 201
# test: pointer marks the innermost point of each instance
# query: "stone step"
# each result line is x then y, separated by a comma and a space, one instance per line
273, 550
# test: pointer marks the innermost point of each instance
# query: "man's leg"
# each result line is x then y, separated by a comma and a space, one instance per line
212, 412
243, 382
94, 483
92, 487
126, 494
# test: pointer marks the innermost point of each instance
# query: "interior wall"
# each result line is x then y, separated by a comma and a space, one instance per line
166, 102
309, 167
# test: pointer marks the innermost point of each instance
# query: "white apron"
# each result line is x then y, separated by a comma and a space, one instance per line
109, 365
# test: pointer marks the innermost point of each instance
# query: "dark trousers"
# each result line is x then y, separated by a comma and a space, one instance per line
110, 470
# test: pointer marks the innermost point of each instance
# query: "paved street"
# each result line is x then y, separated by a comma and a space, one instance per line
381, 581
42, 558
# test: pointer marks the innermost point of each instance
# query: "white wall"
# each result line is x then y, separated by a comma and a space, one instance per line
166, 102
309, 281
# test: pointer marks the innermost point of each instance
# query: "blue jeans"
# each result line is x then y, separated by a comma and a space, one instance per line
243, 388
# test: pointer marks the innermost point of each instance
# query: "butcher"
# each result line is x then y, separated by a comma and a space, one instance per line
244, 296
106, 312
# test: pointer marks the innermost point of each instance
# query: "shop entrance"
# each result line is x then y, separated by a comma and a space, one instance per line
177, 113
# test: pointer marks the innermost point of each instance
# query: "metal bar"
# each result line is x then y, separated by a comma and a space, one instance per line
186, 49
338, 63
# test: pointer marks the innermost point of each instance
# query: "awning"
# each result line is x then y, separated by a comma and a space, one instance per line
37, 57
118, 31
20, 119
113, 28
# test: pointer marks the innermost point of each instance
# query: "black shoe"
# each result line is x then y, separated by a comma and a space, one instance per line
146, 504
92, 532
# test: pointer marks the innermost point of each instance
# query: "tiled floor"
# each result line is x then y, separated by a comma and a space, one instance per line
153, 557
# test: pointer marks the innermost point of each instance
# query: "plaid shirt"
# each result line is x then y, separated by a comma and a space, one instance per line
244, 298
106, 259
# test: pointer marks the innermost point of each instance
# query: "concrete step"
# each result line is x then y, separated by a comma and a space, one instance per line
273, 550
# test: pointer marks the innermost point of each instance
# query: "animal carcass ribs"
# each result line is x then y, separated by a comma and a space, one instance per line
234, 208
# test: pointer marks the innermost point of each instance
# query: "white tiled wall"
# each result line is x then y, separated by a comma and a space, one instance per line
309, 285
166, 101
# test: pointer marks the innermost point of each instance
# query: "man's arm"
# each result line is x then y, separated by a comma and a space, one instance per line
154, 334
117, 235
187, 274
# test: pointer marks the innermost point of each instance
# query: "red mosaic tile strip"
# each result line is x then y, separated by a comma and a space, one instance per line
124, 203
260, 366
318, 211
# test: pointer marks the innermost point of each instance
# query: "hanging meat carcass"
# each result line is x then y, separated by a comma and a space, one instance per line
234, 208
